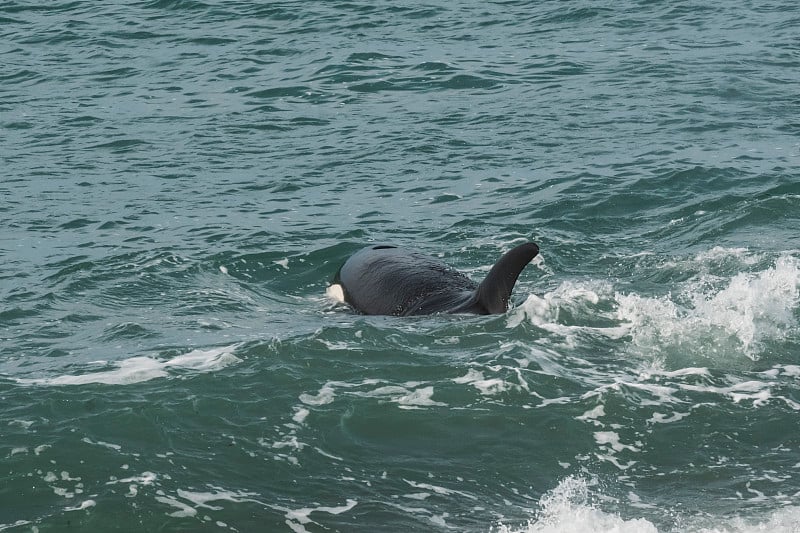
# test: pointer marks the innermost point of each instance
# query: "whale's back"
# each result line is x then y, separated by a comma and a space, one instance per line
387, 280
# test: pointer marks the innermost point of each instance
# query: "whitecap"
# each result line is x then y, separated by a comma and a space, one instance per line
585, 303
487, 387
407, 396
422, 397
325, 396
84, 505
145, 368
717, 318
566, 509
296, 519
572, 506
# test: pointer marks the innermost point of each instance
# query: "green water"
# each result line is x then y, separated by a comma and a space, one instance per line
181, 180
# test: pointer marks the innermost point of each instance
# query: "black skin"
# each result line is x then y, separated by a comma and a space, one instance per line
387, 280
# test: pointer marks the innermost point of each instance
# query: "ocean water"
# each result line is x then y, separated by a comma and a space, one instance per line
180, 180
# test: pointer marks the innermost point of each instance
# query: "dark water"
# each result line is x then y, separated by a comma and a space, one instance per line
180, 180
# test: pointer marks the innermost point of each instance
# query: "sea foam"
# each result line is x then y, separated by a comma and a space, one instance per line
145, 368
741, 313
571, 507
709, 316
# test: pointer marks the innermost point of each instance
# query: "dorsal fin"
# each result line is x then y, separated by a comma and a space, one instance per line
495, 290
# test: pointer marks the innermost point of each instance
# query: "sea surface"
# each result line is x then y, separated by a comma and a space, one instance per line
180, 180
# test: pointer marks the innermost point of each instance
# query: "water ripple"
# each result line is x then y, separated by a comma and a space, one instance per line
181, 179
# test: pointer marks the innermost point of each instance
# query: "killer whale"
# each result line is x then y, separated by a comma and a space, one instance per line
388, 280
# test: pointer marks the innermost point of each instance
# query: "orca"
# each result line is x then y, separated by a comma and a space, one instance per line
387, 280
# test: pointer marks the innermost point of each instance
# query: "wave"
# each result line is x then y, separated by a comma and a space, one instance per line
720, 305
143, 368
567, 508
571, 507
743, 312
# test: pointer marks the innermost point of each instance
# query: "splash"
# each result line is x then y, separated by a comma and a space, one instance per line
717, 314
569, 508
571, 309
746, 312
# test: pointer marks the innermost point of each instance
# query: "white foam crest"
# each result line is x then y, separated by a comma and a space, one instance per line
781, 521
750, 309
144, 368
667, 392
201, 500
487, 387
439, 490
759, 392
713, 259
146, 478
115, 447
410, 395
566, 509
716, 313
25, 424
407, 396
756, 306
722, 253
296, 519
792, 371
569, 508
84, 505
579, 301
17, 524
422, 397
325, 396
183, 510
611, 439
539, 263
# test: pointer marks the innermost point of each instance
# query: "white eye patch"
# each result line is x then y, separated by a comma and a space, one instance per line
335, 292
